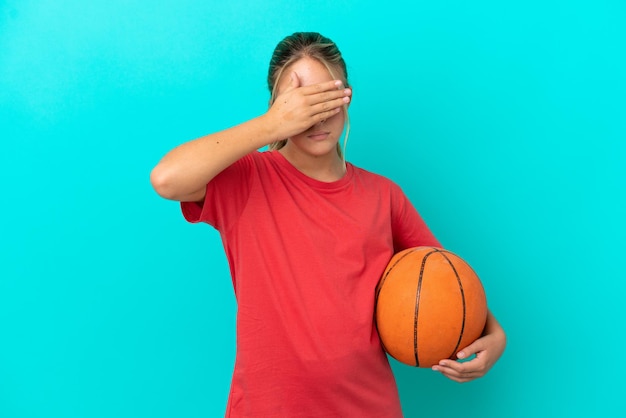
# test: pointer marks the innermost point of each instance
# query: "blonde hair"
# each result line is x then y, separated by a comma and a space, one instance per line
312, 45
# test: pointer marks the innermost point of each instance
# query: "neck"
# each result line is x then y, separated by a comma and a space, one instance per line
326, 168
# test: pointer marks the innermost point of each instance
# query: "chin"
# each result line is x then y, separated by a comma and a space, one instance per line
315, 148
322, 150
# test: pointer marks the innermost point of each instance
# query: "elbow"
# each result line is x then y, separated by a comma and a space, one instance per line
162, 182
173, 183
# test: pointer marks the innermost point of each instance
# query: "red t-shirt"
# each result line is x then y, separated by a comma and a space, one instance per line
305, 257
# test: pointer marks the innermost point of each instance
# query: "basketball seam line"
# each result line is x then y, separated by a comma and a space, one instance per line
456, 274
417, 304
380, 287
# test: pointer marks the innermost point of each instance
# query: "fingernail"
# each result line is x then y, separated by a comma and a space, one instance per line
338, 83
460, 354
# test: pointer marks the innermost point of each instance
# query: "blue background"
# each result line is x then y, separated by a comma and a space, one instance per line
504, 122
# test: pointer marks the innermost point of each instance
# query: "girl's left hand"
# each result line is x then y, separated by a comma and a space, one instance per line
488, 350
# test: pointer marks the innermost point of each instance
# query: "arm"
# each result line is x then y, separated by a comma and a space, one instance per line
185, 171
487, 348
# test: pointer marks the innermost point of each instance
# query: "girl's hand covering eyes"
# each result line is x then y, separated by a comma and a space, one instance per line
298, 108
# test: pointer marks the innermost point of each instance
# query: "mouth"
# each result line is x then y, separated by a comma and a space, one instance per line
318, 136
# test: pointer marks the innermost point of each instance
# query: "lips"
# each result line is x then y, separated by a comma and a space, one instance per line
318, 136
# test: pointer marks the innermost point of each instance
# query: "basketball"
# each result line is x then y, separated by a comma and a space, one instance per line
429, 305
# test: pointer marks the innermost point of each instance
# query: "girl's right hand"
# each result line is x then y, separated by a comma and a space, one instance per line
298, 108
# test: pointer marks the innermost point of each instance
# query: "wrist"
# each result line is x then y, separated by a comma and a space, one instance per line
269, 129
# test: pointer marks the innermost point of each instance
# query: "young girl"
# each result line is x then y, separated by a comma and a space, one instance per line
307, 236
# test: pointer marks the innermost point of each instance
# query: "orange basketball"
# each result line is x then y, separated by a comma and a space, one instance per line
429, 305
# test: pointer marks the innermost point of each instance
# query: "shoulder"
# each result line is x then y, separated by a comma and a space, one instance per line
254, 161
263, 158
374, 179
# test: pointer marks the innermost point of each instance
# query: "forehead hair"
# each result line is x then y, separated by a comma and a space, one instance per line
305, 44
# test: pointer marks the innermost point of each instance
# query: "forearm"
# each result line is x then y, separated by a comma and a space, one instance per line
187, 169
492, 326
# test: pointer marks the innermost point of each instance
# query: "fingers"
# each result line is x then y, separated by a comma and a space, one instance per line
299, 108
322, 87
318, 93
469, 370
461, 372
487, 349
471, 349
330, 104
330, 98
325, 104
328, 95
325, 115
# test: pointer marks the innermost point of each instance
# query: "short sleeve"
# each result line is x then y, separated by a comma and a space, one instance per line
226, 196
409, 229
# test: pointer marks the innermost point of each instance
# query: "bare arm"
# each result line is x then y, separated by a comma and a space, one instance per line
184, 172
